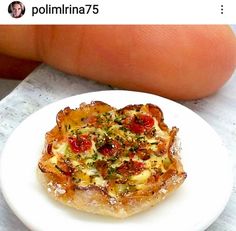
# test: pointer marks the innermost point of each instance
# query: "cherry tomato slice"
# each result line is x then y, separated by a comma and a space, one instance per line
110, 148
80, 144
141, 123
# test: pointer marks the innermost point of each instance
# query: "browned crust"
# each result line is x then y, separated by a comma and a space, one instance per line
77, 116
95, 199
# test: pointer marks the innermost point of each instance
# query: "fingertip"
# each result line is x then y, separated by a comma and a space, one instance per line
178, 62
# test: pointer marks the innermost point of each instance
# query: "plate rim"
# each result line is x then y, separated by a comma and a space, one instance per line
59, 102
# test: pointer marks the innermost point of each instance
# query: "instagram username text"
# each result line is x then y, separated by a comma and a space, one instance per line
69, 9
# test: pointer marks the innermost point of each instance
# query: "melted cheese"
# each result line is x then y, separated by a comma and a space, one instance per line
88, 174
99, 181
140, 178
59, 148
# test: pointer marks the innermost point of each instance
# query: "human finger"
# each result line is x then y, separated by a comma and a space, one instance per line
180, 62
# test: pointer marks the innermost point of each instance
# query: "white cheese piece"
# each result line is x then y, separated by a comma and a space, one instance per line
59, 148
141, 178
53, 160
99, 181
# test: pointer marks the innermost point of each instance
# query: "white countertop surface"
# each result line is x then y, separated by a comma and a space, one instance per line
46, 85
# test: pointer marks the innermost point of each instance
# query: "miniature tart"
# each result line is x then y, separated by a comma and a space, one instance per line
109, 161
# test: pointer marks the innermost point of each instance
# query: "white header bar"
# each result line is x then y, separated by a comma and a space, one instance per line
120, 12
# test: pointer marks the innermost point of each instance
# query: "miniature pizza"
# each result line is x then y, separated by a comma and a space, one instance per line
108, 161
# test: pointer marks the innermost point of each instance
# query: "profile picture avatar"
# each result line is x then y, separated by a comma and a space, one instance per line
16, 9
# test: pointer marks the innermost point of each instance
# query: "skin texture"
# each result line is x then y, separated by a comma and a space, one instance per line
178, 62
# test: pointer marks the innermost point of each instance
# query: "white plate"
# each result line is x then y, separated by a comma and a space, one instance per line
194, 206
